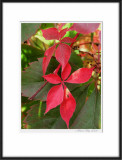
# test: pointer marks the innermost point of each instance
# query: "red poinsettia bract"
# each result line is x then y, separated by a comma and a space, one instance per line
62, 52
60, 94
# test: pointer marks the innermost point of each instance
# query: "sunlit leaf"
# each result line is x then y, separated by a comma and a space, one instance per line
29, 54
47, 25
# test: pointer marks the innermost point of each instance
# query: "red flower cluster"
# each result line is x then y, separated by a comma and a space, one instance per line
60, 94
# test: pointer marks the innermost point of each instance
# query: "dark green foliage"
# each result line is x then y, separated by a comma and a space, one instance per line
88, 116
28, 29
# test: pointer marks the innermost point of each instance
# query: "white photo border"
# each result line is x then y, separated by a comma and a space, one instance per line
35, 142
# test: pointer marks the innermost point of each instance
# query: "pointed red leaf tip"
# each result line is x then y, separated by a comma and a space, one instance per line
85, 28
57, 69
48, 54
62, 54
81, 75
68, 106
50, 34
52, 78
62, 33
54, 97
66, 72
60, 26
68, 40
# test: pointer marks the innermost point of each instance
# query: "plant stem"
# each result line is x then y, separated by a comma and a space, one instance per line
86, 53
74, 39
38, 91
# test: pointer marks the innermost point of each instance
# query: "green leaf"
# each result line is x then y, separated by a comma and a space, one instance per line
40, 37
92, 35
97, 118
52, 65
29, 54
76, 51
48, 121
71, 86
80, 95
67, 25
32, 80
86, 115
39, 41
47, 25
91, 87
25, 106
70, 34
59, 124
28, 29
75, 61
89, 116
28, 90
35, 42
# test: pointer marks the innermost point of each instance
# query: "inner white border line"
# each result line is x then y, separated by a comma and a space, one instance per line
71, 130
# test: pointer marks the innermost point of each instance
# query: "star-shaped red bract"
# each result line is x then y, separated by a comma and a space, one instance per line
60, 94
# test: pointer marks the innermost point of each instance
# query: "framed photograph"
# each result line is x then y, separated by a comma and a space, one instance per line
61, 80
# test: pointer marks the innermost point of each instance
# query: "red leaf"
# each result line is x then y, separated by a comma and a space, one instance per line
62, 33
68, 40
50, 33
66, 72
49, 52
81, 75
100, 36
57, 69
85, 28
60, 25
54, 97
62, 54
52, 78
68, 106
